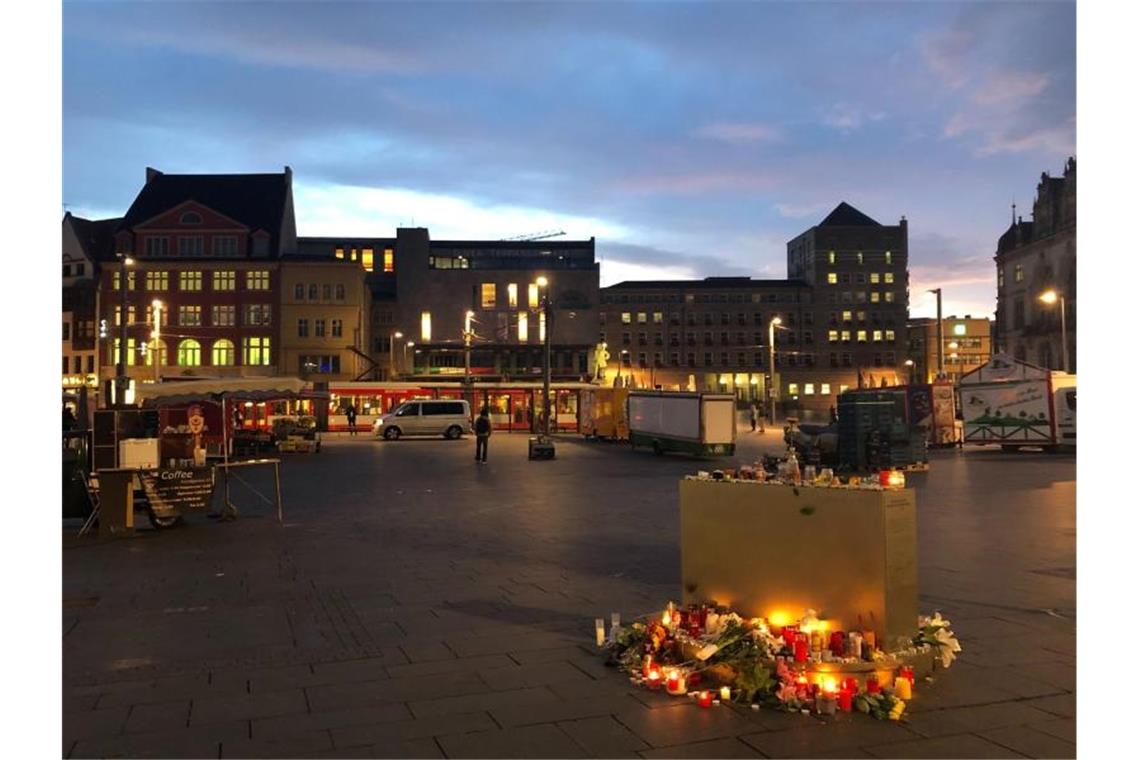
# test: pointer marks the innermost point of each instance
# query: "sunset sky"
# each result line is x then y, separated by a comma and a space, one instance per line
689, 139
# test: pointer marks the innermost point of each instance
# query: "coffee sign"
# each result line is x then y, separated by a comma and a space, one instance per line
179, 490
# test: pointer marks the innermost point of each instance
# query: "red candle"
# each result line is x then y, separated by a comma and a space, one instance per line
907, 672
654, 677
884, 478
837, 646
704, 699
872, 685
801, 649
789, 634
851, 685
845, 700
674, 683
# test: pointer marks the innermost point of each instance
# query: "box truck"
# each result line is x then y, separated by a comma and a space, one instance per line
1016, 404
695, 423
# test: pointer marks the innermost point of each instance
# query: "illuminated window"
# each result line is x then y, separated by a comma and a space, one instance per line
352, 254
190, 316
389, 260
366, 259
845, 336
258, 314
487, 295
793, 389
257, 280
889, 296
523, 327
641, 318
542, 327
890, 336
832, 278
130, 315
157, 280
831, 257
846, 316
809, 389
130, 352
223, 353
658, 317
626, 317
532, 295
1018, 273
221, 316
425, 326
832, 336
189, 353
513, 295
861, 336
874, 278
877, 336
225, 280
339, 253
189, 280
887, 257
960, 329
874, 296
255, 352
156, 347
889, 278
825, 389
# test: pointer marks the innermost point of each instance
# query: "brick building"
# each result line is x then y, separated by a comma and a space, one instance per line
86, 245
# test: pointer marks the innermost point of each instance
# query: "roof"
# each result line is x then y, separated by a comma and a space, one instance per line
709, 283
1018, 234
96, 236
214, 389
846, 215
255, 200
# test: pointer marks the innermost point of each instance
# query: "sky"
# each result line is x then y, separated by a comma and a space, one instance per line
689, 139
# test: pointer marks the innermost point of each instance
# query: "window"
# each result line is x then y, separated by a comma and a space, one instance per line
257, 279
1001, 277
532, 295
366, 259
874, 296
861, 336
223, 353
523, 336
877, 336
389, 260
846, 316
626, 318
222, 316
889, 296
860, 279
156, 246
339, 253
312, 292
190, 316
299, 291
190, 281
658, 317
513, 295
641, 318
157, 281
832, 278
326, 292
1018, 273
255, 352
708, 359
190, 217
425, 326
319, 328
641, 359
832, 336
825, 389
809, 389
67, 331
190, 245
91, 362
337, 328
874, 278
487, 295
224, 245
258, 314
302, 328
189, 353
960, 329
889, 278
340, 291
845, 336
225, 280
859, 257
793, 389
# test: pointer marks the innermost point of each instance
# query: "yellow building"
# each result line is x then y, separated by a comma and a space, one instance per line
966, 343
325, 306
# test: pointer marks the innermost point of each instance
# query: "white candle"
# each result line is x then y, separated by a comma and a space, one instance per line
600, 630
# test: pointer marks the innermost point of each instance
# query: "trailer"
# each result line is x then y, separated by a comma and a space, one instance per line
1017, 404
703, 424
602, 414
933, 410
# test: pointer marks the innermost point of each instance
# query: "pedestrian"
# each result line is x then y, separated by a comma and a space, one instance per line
482, 433
833, 416
350, 414
69, 420
752, 415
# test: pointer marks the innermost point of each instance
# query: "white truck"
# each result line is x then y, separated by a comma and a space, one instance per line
1015, 404
703, 424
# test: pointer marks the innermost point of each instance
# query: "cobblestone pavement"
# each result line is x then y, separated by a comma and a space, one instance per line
416, 604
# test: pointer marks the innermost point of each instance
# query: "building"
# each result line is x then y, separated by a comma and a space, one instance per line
86, 244
842, 318
1033, 257
205, 254
967, 345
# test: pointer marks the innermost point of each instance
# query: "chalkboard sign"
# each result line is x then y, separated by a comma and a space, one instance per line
178, 490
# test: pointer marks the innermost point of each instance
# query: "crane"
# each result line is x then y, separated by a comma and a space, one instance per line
538, 235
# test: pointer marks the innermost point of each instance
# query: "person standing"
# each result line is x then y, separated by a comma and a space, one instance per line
350, 414
752, 415
482, 433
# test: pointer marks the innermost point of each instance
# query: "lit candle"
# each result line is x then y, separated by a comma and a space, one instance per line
675, 683
851, 684
907, 672
873, 685
725, 693
704, 699
654, 677
825, 704
801, 648
845, 697
838, 645
902, 688
600, 631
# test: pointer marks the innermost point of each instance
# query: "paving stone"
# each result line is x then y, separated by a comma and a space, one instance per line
1062, 728
467, 647
526, 742
93, 723
411, 748
197, 742
603, 737
712, 749
1029, 741
844, 732
529, 657
970, 719
262, 679
960, 746
285, 724
348, 695
248, 707
158, 716
422, 651
1064, 705
481, 701
390, 734
522, 713
682, 724
536, 674
153, 690
299, 744
351, 671
79, 702
454, 665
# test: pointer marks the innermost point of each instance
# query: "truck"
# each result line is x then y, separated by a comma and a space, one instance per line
703, 424
1017, 405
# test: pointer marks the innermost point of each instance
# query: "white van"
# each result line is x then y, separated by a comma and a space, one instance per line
450, 418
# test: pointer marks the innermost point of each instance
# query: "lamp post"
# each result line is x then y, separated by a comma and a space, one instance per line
773, 385
409, 344
544, 303
392, 353
155, 335
909, 364
467, 336
941, 347
1051, 297
121, 379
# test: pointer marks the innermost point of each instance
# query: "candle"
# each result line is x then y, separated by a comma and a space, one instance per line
704, 699
838, 644
845, 697
873, 685
801, 648
789, 633
884, 478
902, 688
869, 639
654, 677
600, 631
825, 704
855, 644
725, 693
851, 684
907, 672
675, 683
646, 664
666, 618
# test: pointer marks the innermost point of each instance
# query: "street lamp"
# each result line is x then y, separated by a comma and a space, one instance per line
156, 311
544, 303
909, 364
121, 379
409, 344
392, 353
773, 386
941, 348
1051, 297
467, 336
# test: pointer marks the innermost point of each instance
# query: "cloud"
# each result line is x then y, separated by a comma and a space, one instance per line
947, 53
694, 183
741, 132
682, 265
1005, 86
846, 117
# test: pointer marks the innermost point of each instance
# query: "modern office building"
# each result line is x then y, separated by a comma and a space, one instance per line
1034, 257
966, 345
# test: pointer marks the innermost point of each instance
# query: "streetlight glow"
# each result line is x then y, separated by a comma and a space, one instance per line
542, 281
1049, 297
777, 321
